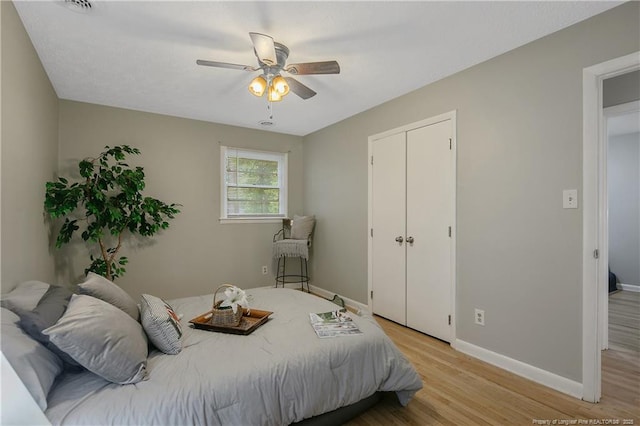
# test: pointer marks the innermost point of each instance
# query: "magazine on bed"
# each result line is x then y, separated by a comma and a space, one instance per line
333, 324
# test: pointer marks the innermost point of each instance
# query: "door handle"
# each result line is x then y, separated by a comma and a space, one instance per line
399, 239
410, 240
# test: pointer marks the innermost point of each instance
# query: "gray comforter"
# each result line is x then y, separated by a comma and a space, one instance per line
279, 374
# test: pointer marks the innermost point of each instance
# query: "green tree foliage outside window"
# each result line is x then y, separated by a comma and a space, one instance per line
252, 186
106, 203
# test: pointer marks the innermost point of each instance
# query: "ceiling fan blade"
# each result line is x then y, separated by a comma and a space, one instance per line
326, 67
299, 89
226, 65
264, 48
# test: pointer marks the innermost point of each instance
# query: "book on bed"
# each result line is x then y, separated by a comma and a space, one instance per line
334, 324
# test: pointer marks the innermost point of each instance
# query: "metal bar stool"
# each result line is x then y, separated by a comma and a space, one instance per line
293, 240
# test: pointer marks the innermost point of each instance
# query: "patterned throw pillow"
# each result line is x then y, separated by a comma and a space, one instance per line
161, 324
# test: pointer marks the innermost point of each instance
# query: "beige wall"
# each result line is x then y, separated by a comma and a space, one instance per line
519, 145
29, 155
181, 159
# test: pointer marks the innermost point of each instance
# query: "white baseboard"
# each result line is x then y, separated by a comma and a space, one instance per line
527, 371
630, 287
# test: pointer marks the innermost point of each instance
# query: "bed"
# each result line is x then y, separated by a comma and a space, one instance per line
280, 374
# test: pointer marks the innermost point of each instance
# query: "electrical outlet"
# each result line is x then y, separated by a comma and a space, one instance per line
264, 270
479, 317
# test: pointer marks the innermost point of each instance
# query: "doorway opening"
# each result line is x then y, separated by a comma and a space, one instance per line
595, 221
620, 317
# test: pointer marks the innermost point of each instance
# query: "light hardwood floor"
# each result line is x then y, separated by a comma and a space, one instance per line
461, 390
624, 321
618, 378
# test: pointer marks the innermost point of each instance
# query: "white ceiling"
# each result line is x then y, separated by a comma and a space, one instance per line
141, 55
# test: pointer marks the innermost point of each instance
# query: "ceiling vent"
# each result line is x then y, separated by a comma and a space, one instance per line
83, 6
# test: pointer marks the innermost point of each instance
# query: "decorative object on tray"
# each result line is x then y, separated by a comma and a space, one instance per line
250, 321
334, 324
228, 311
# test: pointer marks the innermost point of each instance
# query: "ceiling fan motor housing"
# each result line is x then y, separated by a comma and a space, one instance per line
282, 53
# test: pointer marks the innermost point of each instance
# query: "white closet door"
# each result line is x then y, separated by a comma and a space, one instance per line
388, 223
429, 213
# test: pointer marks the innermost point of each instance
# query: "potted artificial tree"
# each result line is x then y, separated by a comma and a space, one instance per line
106, 203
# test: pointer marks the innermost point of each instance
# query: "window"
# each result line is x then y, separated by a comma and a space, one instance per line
254, 184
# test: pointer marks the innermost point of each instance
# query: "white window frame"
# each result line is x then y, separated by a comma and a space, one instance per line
281, 157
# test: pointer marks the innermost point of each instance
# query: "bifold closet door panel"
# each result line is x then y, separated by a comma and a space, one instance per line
429, 212
388, 223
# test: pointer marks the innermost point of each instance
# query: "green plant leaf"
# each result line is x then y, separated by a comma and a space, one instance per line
86, 168
66, 232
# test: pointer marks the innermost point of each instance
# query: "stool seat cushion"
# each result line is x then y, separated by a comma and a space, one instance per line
291, 248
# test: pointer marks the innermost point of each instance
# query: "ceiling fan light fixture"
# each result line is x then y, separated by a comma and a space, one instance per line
258, 86
280, 85
273, 94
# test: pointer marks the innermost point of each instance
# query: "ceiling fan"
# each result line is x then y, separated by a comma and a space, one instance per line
272, 57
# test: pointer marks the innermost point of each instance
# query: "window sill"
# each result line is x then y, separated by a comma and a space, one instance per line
238, 220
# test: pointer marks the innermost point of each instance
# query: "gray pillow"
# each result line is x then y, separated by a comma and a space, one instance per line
103, 339
161, 324
36, 366
25, 295
99, 287
49, 310
302, 227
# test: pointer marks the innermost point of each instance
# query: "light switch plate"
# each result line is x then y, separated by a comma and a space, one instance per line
570, 199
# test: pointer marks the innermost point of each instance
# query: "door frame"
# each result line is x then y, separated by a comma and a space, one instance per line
451, 115
594, 217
